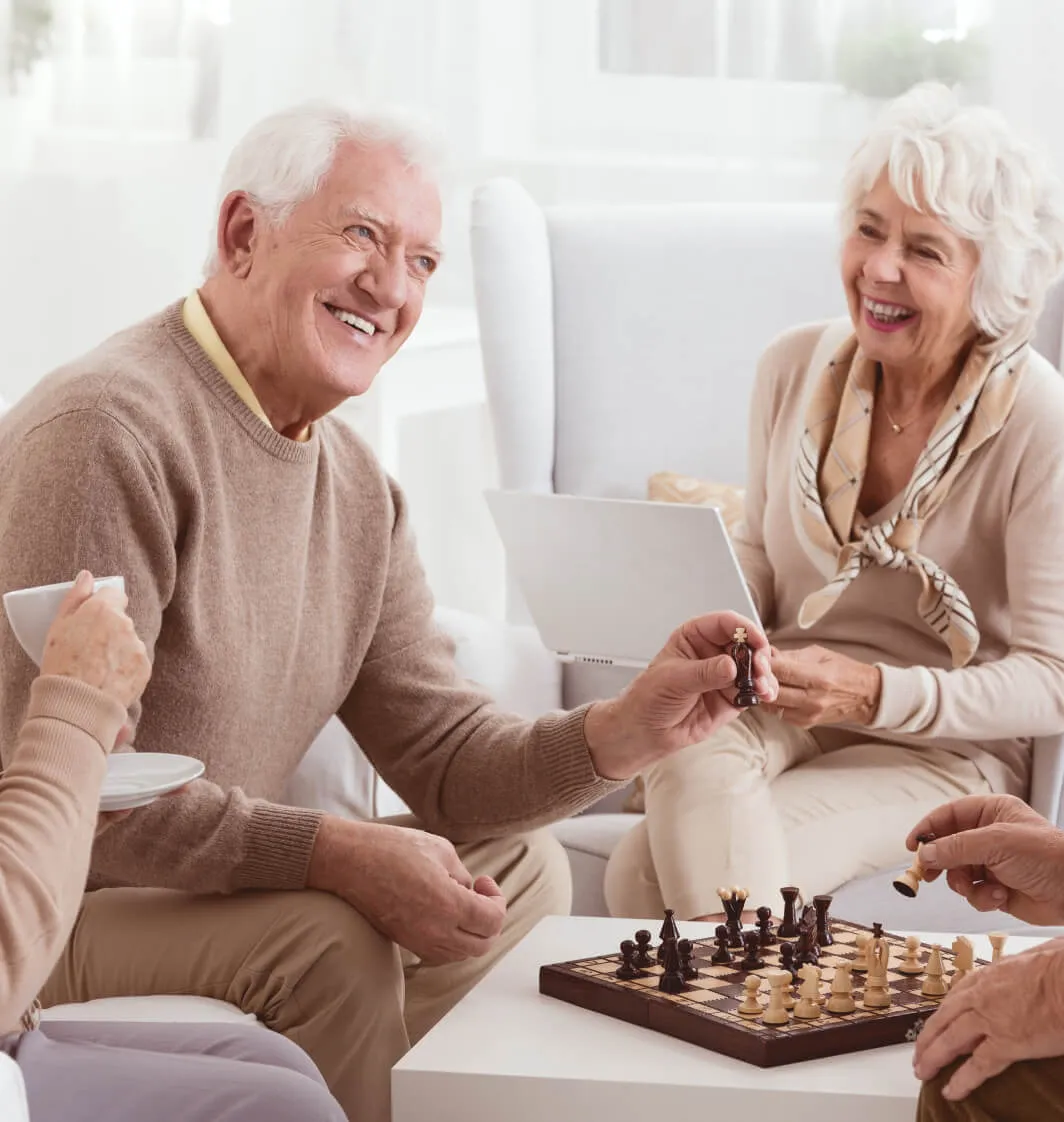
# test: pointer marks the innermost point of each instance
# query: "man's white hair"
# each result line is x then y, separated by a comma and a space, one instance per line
282, 160
965, 166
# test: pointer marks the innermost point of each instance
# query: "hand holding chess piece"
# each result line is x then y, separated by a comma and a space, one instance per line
1003, 1014
997, 853
908, 883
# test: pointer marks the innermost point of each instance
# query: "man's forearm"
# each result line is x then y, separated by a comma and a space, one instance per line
208, 840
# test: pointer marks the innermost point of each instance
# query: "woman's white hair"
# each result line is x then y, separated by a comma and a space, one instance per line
282, 160
965, 166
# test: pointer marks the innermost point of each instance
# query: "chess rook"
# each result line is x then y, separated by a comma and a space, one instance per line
788, 929
823, 920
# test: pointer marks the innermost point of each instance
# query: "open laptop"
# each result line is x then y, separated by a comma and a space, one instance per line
606, 581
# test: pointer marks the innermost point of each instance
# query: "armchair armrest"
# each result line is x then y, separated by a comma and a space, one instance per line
13, 1105
1047, 777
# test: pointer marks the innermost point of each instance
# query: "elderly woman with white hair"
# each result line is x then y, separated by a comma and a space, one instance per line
903, 534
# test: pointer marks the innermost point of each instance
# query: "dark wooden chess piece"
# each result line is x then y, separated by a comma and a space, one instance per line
722, 956
753, 959
687, 953
788, 929
642, 955
671, 980
877, 931
823, 921
787, 960
734, 903
764, 927
743, 656
806, 951
627, 970
669, 930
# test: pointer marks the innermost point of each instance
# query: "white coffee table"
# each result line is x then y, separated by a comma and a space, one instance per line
506, 1052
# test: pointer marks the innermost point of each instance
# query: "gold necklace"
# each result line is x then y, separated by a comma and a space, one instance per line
898, 428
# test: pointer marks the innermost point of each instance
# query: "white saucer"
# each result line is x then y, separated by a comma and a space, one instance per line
137, 778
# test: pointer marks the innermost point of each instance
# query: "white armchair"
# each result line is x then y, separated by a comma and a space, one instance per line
622, 340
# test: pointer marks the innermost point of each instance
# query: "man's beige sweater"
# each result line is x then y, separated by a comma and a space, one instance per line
275, 584
49, 796
1000, 534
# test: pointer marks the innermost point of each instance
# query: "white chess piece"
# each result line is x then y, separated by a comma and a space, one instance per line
997, 941
751, 1007
841, 999
808, 1007
963, 958
934, 984
777, 1012
877, 993
860, 962
911, 963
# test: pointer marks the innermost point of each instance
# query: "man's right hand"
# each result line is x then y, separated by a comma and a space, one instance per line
93, 639
997, 853
410, 885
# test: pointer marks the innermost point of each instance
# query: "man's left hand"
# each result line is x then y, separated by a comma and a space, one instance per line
998, 1015
681, 698
820, 687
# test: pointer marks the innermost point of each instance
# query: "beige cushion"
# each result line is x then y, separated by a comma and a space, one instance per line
672, 487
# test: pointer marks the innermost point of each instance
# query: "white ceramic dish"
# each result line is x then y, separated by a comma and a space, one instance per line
31, 611
137, 778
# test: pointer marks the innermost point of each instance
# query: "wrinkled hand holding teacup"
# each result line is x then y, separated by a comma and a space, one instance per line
93, 639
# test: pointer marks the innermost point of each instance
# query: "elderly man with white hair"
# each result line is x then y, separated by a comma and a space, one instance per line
273, 577
903, 534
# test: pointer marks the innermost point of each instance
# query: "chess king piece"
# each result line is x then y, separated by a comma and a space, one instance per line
788, 929
841, 999
777, 1012
911, 963
877, 991
997, 941
743, 657
764, 927
934, 984
671, 980
808, 1007
823, 921
669, 930
687, 966
750, 1007
627, 970
642, 954
721, 956
908, 883
963, 958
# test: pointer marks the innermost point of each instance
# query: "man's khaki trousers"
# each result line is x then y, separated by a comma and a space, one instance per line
305, 963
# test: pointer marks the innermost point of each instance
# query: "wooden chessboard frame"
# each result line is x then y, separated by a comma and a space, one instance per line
697, 1019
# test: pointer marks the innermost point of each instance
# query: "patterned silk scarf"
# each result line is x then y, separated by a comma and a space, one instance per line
832, 457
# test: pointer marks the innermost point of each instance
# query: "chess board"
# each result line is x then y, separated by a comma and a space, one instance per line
705, 1014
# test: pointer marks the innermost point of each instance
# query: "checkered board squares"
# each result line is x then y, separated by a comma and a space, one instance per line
706, 1012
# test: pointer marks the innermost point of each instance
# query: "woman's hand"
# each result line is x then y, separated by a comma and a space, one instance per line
93, 639
820, 687
998, 1015
997, 853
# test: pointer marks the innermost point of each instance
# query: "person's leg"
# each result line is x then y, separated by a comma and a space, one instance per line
1032, 1091
533, 872
82, 1071
710, 821
847, 812
305, 963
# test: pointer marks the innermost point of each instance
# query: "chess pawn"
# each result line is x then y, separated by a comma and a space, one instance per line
911, 963
764, 927
627, 970
778, 1012
687, 966
963, 958
808, 1007
997, 941
860, 962
908, 883
743, 657
934, 984
841, 999
751, 1007
642, 954
721, 956
752, 960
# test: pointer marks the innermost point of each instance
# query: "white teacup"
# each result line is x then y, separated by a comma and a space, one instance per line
31, 611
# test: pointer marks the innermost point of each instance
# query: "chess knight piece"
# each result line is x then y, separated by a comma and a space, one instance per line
908, 883
743, 657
